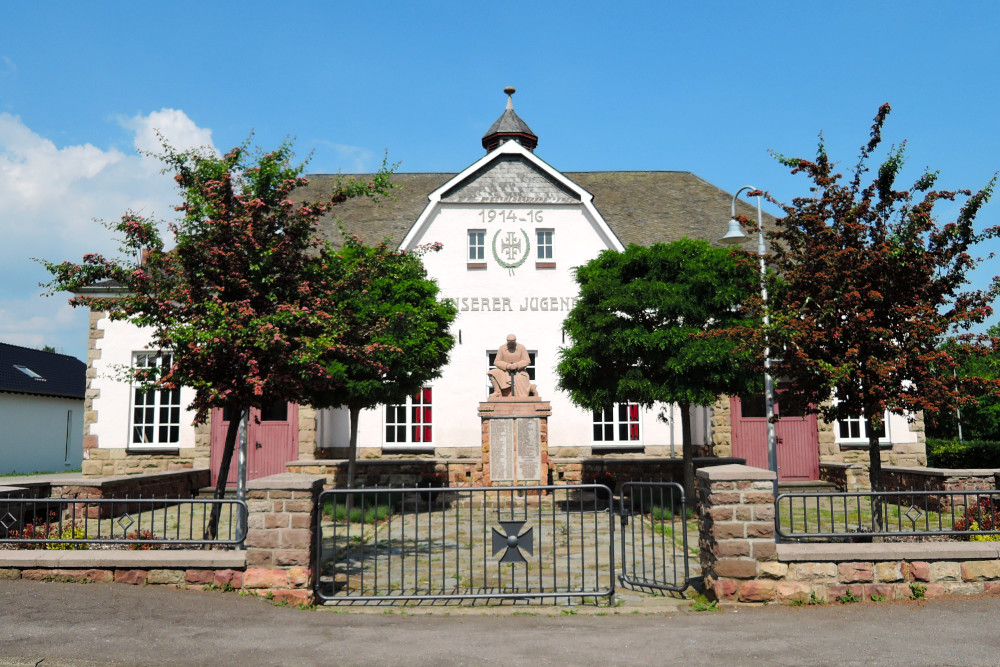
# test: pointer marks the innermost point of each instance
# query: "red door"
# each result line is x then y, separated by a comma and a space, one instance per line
798, 440
273, 441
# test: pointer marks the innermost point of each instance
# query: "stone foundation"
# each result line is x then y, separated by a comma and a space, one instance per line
741, 561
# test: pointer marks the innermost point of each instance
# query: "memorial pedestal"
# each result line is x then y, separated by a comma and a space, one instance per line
515, 441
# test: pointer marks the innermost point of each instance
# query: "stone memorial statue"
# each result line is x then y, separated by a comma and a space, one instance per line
508, 375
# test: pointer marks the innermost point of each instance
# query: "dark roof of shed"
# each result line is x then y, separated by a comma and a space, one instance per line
642, 207
59, 374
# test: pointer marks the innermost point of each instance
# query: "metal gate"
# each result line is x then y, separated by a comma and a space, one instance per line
497, 543
654, 536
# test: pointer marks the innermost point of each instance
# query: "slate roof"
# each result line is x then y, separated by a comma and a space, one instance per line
641, 207
58, 374
509, 123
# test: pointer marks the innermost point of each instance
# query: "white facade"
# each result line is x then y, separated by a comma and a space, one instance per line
500, 285
40, 433
114, 400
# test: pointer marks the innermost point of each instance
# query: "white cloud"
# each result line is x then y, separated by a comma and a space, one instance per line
173, 124
51, 199
7, 66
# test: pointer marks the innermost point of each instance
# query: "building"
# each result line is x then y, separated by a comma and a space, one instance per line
41, 410
512, 228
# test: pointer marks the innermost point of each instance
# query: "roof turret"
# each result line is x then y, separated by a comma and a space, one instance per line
509, 126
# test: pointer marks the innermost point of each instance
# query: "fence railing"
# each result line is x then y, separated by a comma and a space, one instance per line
859, 516
497, 543
138, 523
654, 536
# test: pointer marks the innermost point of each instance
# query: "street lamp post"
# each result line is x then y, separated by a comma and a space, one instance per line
735, 235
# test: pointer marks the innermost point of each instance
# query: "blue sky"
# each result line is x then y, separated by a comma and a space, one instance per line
705, 87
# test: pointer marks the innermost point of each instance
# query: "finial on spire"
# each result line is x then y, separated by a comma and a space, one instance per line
509, 127
510, 90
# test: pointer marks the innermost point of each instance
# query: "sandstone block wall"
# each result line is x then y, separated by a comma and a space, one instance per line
742, 562
281, 544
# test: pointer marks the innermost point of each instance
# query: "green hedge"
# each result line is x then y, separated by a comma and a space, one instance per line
969, 454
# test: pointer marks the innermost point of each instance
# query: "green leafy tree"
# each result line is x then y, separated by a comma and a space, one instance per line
392, 313
870, 285
642, 330
241, 301
980, 419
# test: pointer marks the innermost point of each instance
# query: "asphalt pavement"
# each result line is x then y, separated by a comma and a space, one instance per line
54, 624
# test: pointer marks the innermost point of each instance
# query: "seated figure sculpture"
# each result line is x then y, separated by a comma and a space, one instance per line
509, 377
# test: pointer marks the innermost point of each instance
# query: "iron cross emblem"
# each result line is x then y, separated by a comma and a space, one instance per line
513, 540
511, 246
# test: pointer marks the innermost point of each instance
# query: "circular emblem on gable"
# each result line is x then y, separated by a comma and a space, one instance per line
508, 250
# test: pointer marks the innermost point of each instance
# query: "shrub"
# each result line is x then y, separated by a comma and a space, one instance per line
42, 531
969, 454
144, 535
984, 515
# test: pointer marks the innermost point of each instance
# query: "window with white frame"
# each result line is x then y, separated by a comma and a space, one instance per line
477, 245
617, 425
156, 413
412, 423
854, 428
543, 244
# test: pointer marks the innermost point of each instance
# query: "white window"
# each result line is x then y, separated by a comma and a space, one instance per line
156, 413
618, 425
853, 429
412, 423
543, 244
477, 245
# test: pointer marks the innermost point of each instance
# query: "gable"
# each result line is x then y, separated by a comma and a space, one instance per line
509, 179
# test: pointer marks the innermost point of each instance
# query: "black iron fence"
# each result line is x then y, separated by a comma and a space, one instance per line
860, 516
498, 543
138, 523
654, 536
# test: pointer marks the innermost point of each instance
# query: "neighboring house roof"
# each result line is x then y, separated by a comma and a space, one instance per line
642, 207
27, 371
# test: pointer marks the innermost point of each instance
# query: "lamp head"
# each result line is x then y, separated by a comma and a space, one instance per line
734, 234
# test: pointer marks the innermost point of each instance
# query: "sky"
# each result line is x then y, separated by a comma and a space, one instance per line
706, 87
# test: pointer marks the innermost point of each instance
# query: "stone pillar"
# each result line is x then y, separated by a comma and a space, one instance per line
736, 520
515, 438
281, 541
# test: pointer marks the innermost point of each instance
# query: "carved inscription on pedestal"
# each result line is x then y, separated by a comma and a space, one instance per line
502, 450
529, 451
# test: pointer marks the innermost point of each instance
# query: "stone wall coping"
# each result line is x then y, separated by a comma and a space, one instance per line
81, 480
943, 472
107, 558
11, 489
921, 551
286, 481
733, 472
841, 465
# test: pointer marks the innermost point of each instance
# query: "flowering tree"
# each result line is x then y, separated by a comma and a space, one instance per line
241, 301
870, 283
642, 330
392, 312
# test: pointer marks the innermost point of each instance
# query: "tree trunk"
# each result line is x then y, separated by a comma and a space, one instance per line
232, 431
686, 446
352, 449
874, 472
